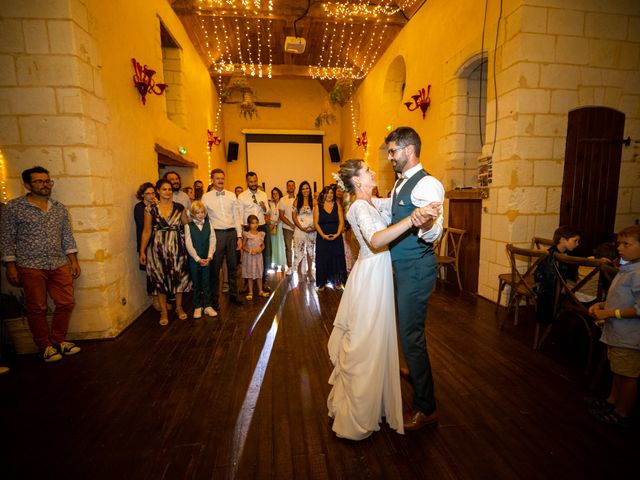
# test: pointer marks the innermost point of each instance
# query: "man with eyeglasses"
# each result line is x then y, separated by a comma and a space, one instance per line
254, 202
224, 214
40, 254
414, 265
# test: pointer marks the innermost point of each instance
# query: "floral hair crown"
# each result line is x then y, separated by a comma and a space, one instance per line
339, 181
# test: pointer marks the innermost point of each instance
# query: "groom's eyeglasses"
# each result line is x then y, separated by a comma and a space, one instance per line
392, 151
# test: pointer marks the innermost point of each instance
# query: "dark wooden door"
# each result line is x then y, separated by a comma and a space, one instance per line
591, 174
466, 213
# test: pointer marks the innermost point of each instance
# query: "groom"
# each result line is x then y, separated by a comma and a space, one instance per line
414, 265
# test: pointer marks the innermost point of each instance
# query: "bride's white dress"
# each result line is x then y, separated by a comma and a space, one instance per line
363, 346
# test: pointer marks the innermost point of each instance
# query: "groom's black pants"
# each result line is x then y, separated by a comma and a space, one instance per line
414, 280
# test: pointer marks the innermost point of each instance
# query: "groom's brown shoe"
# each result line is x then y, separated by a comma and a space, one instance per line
415, 420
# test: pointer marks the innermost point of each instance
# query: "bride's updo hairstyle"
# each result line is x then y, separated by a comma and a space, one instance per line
348, 170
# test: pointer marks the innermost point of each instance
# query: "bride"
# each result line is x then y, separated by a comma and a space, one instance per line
363, 346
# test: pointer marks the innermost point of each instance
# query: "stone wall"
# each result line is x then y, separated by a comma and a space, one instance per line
554, 57
68, 103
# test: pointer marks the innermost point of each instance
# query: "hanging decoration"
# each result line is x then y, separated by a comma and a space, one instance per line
421, 101
144, 82
212, 139
362, 141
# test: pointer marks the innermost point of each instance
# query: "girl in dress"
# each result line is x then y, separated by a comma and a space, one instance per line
252, 265
329, 222
363, 346
278, 257
166, 255
304, 236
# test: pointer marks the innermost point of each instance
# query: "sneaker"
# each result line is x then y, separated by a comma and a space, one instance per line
50, 354
209, 311
68, 348
197, 313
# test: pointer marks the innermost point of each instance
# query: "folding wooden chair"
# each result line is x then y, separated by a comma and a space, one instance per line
448, 251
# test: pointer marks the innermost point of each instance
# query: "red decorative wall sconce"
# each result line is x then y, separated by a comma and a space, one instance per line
421, 101
212, 139
362, 141
144, 82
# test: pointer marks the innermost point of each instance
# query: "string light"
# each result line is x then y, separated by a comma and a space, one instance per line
353, 35
3, 178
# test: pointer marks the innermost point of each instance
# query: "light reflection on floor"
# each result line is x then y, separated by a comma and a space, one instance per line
243, 422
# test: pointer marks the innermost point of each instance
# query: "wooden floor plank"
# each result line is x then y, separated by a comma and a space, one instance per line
183, 402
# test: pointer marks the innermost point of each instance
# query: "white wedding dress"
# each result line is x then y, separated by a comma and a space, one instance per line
363, 347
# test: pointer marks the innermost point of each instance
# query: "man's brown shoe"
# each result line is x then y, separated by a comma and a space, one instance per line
415, 420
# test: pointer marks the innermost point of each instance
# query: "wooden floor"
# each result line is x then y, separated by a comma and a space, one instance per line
244, 396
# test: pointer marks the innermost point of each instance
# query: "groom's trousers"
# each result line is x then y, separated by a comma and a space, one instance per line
414, 280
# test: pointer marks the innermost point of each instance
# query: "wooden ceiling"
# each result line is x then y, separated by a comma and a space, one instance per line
343, 39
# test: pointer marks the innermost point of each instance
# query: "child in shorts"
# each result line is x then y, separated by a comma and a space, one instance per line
621, 333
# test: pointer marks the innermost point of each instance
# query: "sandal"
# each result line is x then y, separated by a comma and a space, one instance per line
182, 314
163, 320
249, 297
263, 294
598, 404
612, 418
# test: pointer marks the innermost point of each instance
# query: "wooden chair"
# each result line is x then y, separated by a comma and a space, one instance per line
574, 298
523, 262
541, 243
448, 251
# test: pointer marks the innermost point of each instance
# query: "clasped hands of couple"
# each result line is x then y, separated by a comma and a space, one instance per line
424, 217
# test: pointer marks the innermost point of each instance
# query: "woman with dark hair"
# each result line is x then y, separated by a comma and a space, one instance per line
278, 257
304, 236
164, 253
329, 223
198, 190
363, 346
146, 195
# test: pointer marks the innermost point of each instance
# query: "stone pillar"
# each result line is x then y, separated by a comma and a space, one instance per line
53, 114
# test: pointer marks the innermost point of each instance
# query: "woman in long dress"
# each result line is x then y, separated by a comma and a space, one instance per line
363, 346
329, 223
164, 253
278, 257
304, 236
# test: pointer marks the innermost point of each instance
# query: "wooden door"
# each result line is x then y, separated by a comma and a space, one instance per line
466, 214
591, 174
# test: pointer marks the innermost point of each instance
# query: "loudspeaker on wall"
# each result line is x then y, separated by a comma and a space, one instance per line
334, 153
232, 151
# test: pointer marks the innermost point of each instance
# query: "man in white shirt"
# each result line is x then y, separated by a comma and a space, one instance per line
178, 195
224, 214
254, 202
414, 265
285, 207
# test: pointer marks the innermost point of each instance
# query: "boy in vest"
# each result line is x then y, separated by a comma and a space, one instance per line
200, 239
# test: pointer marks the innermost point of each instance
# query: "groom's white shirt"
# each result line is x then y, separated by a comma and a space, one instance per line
427, 190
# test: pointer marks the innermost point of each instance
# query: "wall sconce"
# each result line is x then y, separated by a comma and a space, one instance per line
421, 101
143, 81
362, 141
212, 140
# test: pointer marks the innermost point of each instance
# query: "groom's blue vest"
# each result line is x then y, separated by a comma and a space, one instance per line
408, 245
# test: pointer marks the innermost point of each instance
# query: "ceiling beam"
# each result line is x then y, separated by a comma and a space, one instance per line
276, 71
289, 15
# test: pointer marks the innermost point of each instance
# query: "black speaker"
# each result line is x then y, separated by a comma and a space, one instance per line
232, 152
334, 153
